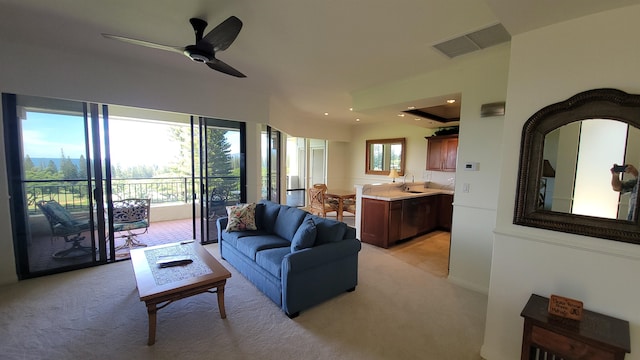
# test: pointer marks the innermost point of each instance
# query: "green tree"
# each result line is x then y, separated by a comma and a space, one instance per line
52, 169
82, 167
28, 164
219, 162
67, 167
181, 165
218, 153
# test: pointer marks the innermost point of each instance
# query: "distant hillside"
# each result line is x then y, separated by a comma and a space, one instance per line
44, 162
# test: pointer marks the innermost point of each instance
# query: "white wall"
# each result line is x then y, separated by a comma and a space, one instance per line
338, 161
481, 78
415, 152
550, 65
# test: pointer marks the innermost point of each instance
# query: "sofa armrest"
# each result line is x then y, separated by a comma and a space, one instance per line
316, 274
320, 255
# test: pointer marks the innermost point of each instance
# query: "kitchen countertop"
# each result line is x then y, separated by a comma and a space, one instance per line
392, 195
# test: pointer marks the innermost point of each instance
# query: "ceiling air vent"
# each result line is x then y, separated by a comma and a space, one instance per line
476, 40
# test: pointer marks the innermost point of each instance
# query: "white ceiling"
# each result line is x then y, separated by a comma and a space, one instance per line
310, 54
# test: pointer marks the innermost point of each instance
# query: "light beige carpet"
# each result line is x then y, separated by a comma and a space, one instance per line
398, 311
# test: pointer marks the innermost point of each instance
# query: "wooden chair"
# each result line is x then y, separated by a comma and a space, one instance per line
318, 205
349, 205
333, 201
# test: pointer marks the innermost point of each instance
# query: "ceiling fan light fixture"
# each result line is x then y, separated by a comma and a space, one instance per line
199, 58
197, 55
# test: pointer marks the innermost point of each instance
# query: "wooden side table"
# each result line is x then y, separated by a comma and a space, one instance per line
595, 337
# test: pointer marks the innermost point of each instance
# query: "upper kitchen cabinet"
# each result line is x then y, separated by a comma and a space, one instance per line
442, 152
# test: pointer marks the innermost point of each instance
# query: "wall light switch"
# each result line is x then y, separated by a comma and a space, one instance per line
465, 187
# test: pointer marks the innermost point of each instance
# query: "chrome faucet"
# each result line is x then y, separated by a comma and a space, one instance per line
404, 181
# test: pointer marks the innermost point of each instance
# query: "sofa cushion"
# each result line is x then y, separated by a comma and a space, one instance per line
241, 217
271, 259
250, 245
305, 236
328, 230
269, 215
288, 221
232, 237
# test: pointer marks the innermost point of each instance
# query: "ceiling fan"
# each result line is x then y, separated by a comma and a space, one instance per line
205, 48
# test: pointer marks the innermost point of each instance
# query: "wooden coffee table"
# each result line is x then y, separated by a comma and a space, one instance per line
159, 287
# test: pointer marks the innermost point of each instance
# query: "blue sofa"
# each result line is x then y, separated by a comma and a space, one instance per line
296, 259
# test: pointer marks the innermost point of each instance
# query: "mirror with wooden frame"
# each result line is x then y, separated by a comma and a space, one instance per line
384, 155
566, 175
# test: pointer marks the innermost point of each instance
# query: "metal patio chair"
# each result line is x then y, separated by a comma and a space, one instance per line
131, 216
64, 225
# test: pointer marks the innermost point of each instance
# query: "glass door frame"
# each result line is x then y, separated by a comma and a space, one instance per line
271, 163
201, 178
13, 137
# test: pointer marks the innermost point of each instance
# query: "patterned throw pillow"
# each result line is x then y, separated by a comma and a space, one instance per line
242, 217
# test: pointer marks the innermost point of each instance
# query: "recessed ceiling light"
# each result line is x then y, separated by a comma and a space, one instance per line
357, 119
401, 115
350, 109
326, 114
417, 119
411, 107
451, 101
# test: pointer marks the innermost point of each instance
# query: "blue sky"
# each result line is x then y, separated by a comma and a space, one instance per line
132, 142
45, 134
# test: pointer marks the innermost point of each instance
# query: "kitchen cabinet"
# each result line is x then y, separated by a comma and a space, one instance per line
386, 222
418, 216
442, 152
445, 211
381, 222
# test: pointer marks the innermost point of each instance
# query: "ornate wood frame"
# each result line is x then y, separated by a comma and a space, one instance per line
599, 103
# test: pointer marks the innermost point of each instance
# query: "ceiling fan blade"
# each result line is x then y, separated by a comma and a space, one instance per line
179, 50
221, 66
224, 34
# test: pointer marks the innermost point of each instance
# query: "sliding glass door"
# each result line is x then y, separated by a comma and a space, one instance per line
54, 157
219, 158
89, 182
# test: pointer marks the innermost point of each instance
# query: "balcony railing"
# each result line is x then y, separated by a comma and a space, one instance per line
74, 194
